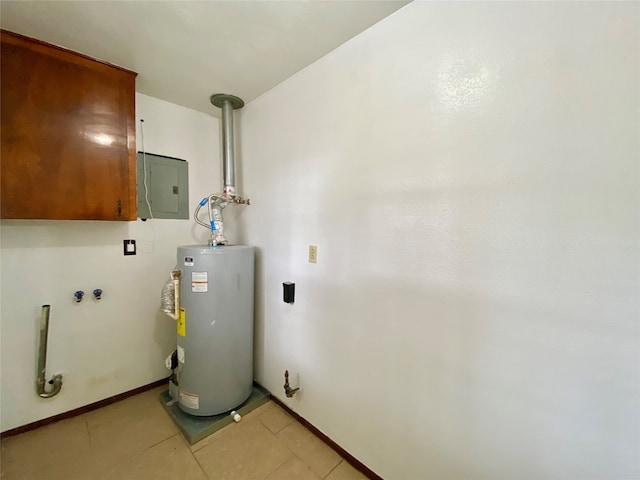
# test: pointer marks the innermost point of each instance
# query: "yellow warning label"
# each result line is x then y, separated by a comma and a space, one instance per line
182, 327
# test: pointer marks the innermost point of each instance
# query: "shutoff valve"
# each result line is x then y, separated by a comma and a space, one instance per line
289, 392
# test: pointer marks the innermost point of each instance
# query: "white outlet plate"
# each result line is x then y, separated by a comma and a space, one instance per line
313, 254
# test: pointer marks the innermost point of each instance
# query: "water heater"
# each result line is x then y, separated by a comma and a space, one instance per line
215, 328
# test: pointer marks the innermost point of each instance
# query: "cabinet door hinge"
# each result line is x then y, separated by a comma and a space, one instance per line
119, 208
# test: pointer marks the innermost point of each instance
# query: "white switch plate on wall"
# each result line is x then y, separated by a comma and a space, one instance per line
313, 254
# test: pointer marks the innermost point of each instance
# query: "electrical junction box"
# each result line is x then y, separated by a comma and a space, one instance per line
164, 182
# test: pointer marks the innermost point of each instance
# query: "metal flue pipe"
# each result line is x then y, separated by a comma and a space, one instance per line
228, 148
228, 103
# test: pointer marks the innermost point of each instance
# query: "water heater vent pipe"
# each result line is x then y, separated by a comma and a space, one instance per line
228, 103
216, 202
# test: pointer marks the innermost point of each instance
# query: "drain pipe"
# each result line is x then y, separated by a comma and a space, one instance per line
228, 103
56, 381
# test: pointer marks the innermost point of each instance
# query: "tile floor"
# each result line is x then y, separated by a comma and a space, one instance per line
135, 439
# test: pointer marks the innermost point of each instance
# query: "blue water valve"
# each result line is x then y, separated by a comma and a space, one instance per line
79, 294
97, 293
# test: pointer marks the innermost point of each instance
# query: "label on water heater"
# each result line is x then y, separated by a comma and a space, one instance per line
180, 354
190, 400
188, 261
182, 323
199, 282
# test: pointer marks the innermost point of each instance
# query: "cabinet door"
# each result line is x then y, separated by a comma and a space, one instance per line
68, 135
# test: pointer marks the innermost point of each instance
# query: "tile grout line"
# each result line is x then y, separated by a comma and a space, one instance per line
279, 441
301, 459
337, 465
199, 465
295, 455
344, 454
193, 453
281, 465
282, 428
159, 442
86, 425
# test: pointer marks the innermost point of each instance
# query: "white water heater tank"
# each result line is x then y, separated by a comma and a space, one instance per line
215, 328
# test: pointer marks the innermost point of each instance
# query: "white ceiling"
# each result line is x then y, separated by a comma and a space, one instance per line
184, 51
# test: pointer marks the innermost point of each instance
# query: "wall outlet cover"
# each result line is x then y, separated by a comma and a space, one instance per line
129, 247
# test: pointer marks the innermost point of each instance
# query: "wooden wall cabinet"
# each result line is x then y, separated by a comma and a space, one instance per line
67, 134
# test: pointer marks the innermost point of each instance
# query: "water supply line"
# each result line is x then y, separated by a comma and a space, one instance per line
56, 381
216, 205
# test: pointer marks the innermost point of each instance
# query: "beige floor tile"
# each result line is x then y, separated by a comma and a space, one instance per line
135, 439
275, 419
129, 406
79, 467
34, 451
133, 430
168, 460
294, 469
344, 471
247, 452
311, 450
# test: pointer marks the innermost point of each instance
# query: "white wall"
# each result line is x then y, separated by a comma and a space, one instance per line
469, 173
120, 343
